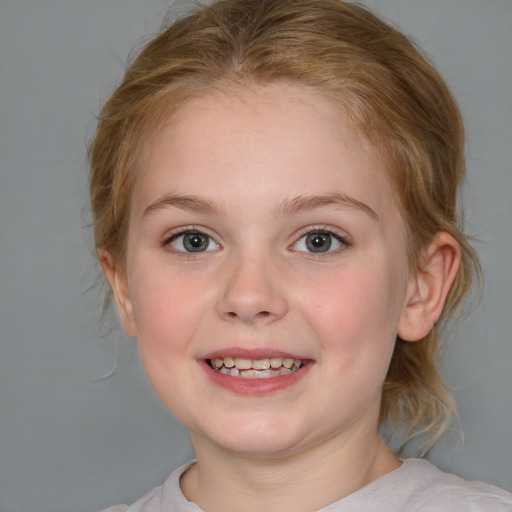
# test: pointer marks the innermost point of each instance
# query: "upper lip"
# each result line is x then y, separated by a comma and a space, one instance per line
246, 353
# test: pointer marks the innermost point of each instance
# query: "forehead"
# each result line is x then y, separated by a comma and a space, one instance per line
259, 141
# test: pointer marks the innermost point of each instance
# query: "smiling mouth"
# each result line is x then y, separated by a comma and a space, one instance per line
255, 368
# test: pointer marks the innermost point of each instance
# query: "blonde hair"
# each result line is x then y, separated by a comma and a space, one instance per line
391, 94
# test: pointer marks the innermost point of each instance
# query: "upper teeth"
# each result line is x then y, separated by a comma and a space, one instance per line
255, 364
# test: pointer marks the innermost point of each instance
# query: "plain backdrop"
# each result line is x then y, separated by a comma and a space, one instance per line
72, 438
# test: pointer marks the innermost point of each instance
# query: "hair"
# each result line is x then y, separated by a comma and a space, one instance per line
390, 93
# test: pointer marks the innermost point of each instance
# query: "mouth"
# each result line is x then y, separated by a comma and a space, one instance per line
265, 368
257, 372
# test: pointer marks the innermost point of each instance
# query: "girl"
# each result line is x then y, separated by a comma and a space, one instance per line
274, 194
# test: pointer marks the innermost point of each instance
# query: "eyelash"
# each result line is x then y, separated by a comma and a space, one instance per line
175, 235
305, 232
343, 240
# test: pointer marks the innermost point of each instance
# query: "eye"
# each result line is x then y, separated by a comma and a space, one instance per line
192, 241
319, 242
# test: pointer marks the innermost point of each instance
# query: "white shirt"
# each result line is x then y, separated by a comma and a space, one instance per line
417, 486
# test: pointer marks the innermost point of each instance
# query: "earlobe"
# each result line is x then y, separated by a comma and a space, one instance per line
116, 278
429, 287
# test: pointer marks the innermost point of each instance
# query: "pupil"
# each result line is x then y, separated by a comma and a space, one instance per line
195, 242
318, 242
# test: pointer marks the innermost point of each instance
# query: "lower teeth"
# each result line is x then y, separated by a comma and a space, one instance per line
255, 374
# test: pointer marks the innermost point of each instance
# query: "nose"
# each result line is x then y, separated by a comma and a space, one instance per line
252, 291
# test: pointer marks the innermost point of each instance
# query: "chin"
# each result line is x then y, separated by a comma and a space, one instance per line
261, 441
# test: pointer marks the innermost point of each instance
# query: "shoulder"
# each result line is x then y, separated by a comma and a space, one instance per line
418, 486
162, 498
148, 503
433, 489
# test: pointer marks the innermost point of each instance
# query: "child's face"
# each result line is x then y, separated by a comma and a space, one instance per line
263, 227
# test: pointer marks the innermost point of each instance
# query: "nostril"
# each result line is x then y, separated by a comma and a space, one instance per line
261, 315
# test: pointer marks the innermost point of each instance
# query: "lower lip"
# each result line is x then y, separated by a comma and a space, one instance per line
243, 386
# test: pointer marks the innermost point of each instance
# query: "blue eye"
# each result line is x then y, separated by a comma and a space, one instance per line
192, 241
319, 242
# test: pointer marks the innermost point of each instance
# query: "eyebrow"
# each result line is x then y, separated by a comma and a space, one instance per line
297, 204
304, 203
188, 203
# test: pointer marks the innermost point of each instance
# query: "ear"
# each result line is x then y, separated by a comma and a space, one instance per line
429, 287
116, 276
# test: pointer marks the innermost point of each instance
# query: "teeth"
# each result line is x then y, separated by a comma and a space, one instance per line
251, 374
288, 363
276, 362
229, 362
243, 364
264, 374
261, 364
255, 368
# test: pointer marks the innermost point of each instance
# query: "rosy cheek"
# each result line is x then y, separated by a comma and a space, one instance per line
153, 311
350, 309
167, 309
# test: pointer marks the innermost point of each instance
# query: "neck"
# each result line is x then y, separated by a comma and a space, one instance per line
304, 481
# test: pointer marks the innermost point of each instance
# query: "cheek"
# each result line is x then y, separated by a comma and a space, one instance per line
356, 309
166, 310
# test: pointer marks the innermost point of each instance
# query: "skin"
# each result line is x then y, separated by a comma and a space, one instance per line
243, 170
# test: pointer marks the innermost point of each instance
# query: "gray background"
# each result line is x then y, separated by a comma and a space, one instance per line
73, 441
